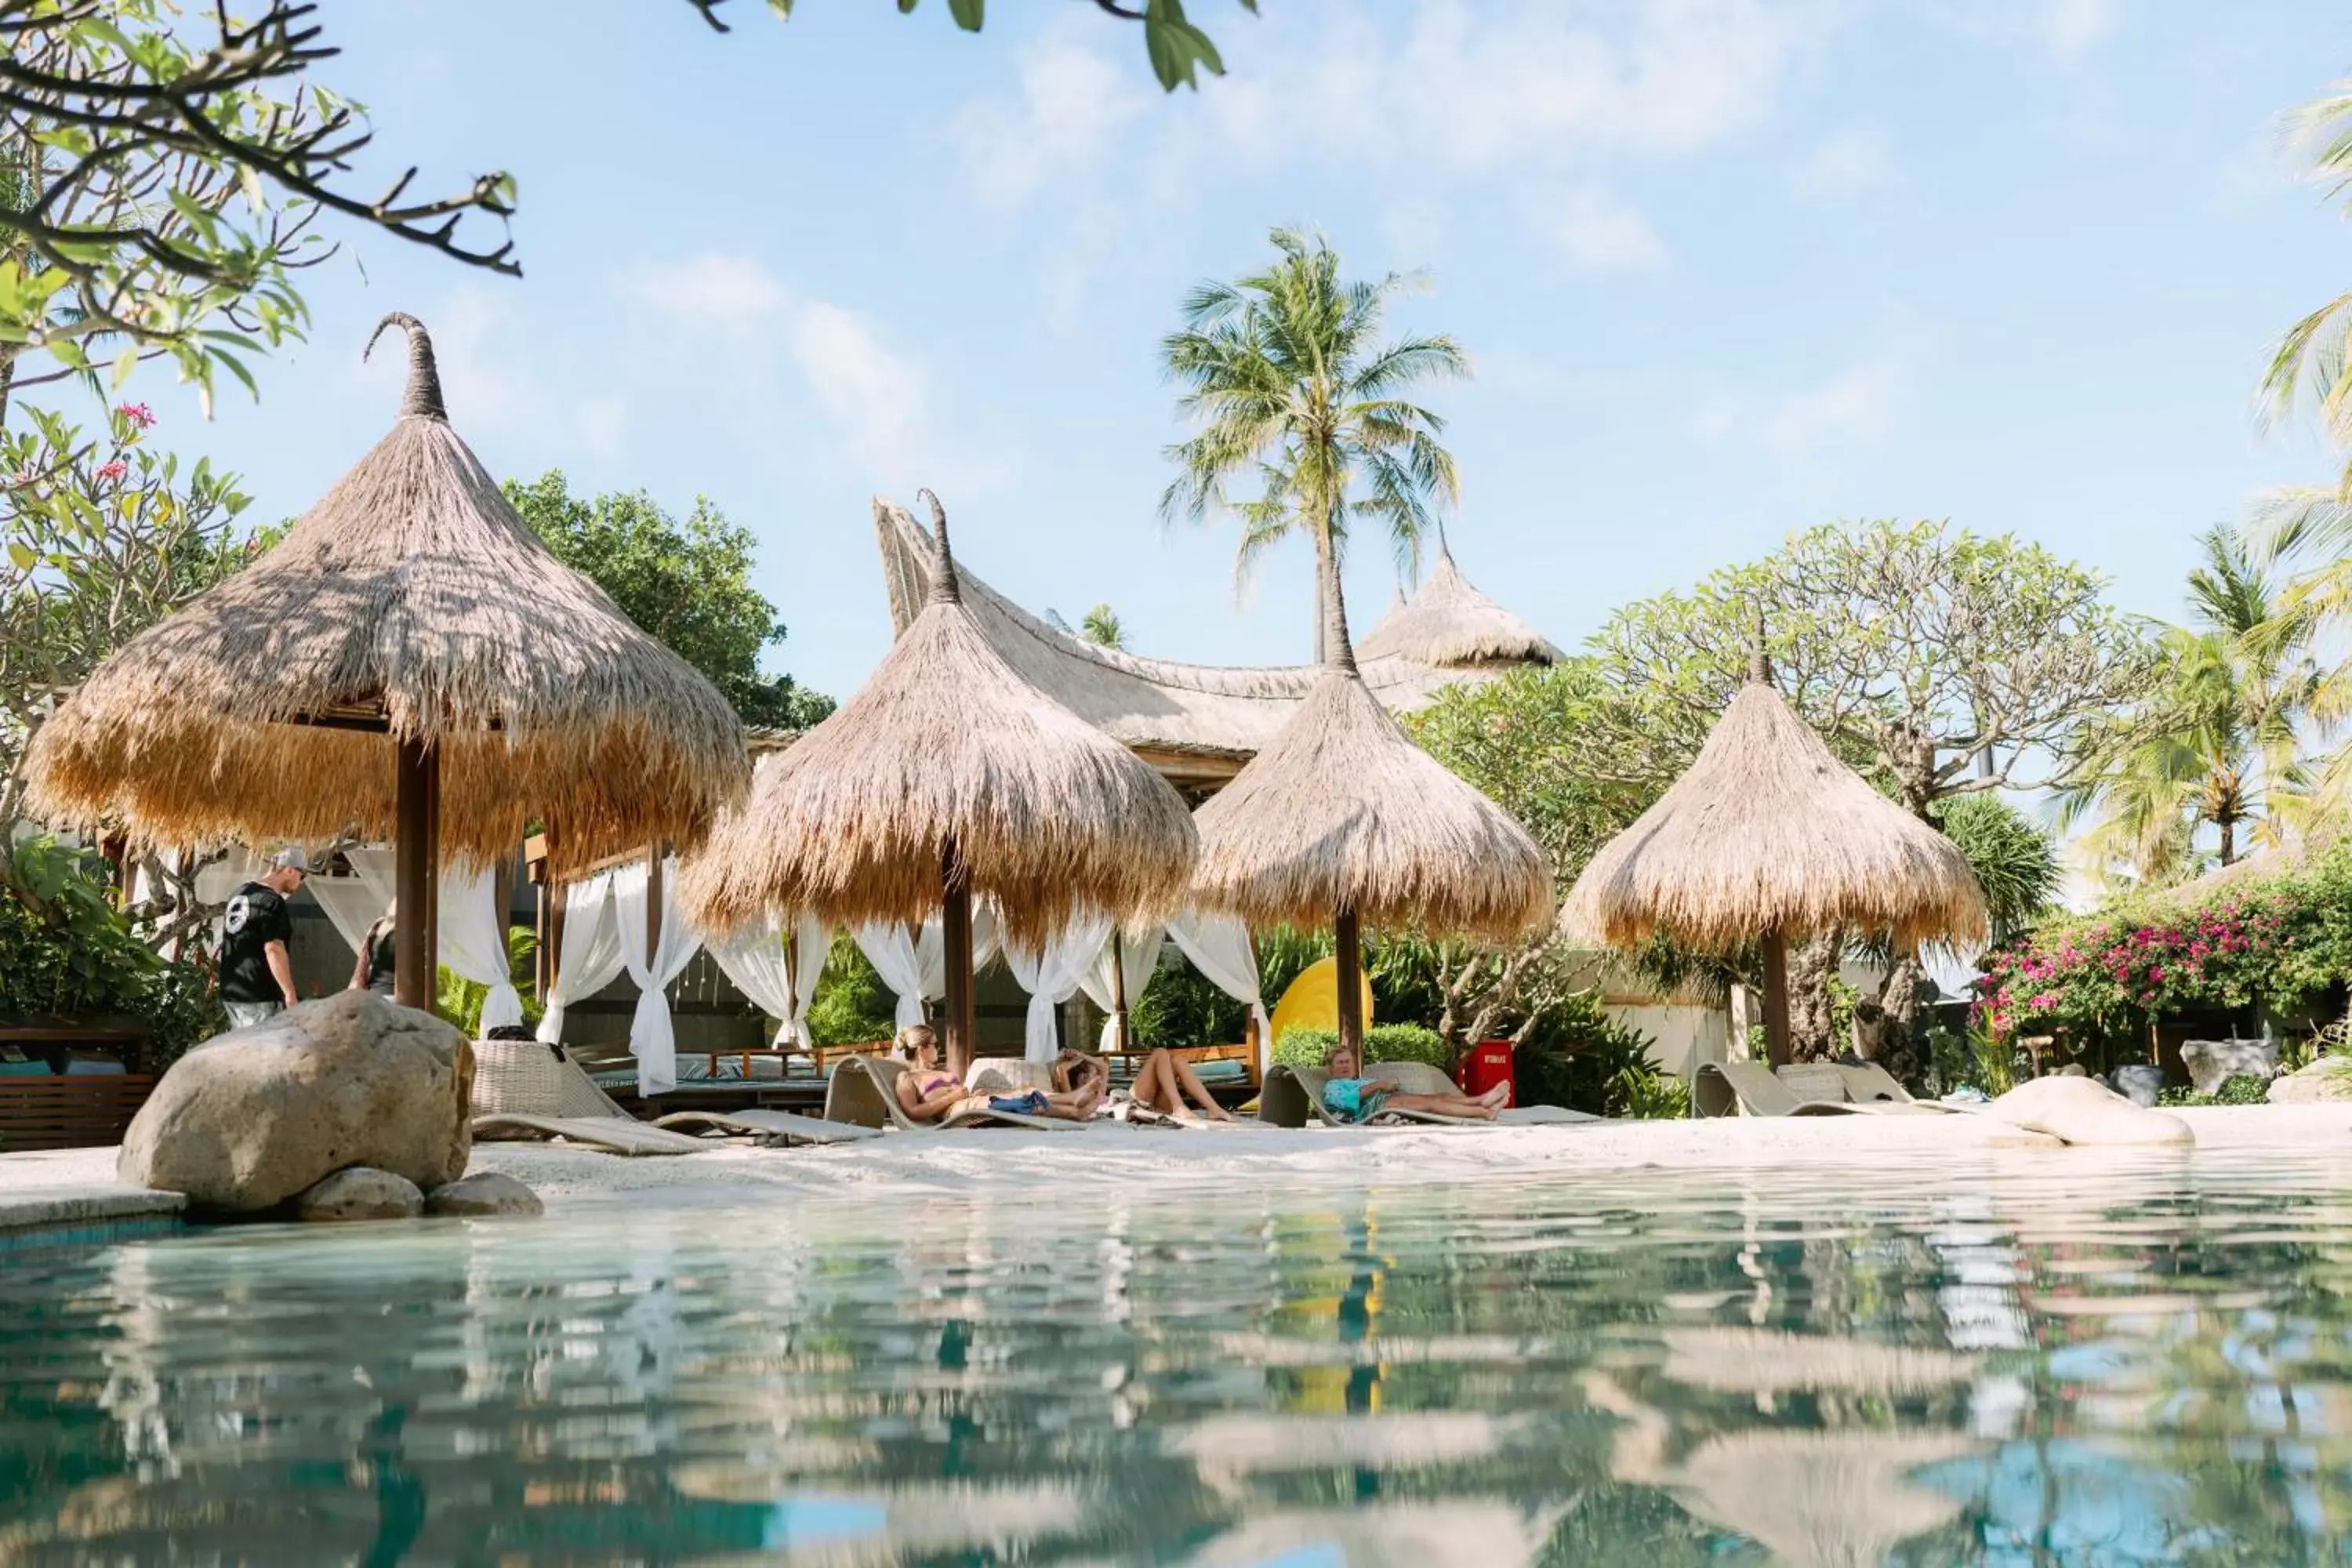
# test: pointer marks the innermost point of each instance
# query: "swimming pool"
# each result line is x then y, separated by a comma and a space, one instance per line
2056, 1359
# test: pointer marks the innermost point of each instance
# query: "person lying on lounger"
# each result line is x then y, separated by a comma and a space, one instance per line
1348, 1098
925, 1092
1163, 1083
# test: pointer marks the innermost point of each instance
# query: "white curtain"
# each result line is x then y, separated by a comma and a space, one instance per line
474, 941
914, 966
753, 957
1053, 975
353, 902
590, 954
1139, 958
1219, 947
652, 1040
811, 939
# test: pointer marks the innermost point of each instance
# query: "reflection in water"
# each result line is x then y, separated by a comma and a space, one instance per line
2059, 1364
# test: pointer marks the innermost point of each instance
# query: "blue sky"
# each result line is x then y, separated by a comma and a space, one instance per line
1726, 268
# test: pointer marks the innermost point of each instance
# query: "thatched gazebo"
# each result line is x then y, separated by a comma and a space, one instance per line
1448, 622
411, 662
948, 777
1342, 817
1769, 838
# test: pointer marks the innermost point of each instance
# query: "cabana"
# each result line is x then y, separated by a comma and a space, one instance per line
949, 779
1340, 817
410, 662
1769, 838
1448, 623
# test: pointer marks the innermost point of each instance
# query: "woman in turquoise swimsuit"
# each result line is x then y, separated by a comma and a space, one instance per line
1349, 1098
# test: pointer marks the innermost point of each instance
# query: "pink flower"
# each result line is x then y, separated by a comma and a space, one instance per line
113, 470
138, 414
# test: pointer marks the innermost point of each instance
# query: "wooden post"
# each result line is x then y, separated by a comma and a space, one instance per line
1778, 1049
431, 876
556, 898
1351, 954
955, 932
1118, 986
653, 899
416, 861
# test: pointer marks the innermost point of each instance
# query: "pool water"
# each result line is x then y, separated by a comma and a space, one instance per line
2064, 1361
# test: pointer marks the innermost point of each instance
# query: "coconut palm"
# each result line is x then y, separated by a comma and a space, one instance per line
2221, 746
1290, 388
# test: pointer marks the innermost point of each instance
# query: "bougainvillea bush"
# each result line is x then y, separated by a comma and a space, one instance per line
2283, 944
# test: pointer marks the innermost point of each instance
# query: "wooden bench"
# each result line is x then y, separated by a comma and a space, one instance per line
77, 1111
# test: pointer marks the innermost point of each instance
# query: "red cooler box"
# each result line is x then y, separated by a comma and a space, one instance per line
1484, 1066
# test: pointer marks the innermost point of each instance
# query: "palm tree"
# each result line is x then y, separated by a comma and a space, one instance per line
1103, 627
2221, 745
1289, 386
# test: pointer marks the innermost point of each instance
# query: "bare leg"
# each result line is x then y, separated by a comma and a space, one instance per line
1155, 1085
1448, 1105
1498, 1096
1193, 1085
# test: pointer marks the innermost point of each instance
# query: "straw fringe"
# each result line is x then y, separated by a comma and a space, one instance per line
1341, 811
946, 743
413, 590
1770, 829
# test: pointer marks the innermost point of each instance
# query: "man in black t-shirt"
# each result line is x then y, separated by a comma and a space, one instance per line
257, 977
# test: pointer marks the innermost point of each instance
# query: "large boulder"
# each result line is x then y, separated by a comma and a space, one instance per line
2084, 1111
251, 1118
2139, 1082
2326, 1079
484, 1192
361, 1191
2212, 1063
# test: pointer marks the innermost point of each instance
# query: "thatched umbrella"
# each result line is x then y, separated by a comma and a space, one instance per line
1450, 624
1341, 816
409, 660
1770, 836
948, 776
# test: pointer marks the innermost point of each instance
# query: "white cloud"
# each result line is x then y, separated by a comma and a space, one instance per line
1596, 231
709, 292
1851, 410
1061, 123
873, 394
1846, 167
2071, 28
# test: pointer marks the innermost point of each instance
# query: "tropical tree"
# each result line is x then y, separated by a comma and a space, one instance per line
685, 582
2218, 746
1099, 626
1292, 392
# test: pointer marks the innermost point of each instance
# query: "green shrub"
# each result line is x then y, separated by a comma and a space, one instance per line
851, 1006
1382, 1043
1644, 1094
2245, 1088
1576, 1055
1179, 1008
460, 1001
66, 953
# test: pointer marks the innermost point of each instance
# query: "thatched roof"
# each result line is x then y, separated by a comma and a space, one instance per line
412, 600
2265, 864
1449, 624
1341, 811
1162, 708
947, 743
1768, 830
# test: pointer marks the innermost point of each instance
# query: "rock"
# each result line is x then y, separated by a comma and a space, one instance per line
2328, 1079
2139, 1082
2083, 1110
361, 1191
2212, 1063
484, 1192
251, 1118
2073, 1069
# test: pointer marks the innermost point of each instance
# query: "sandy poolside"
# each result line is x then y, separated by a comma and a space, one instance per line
1010, 1162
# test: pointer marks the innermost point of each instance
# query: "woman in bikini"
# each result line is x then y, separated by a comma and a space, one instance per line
927, 1092
1349, 1098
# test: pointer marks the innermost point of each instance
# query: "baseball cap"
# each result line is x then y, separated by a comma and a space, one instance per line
290, 859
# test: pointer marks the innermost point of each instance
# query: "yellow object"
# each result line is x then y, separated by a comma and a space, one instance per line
1313, 1000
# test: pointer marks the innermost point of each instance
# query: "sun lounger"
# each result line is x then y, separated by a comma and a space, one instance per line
781, 1126
613, 1134
1292, 1097
1801, 1089
864, 1092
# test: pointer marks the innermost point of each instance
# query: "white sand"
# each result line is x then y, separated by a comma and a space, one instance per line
1010, 1162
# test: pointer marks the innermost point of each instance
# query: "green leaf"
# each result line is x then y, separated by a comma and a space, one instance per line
1176, 47
905, 7
22, 554
124, 363
968, 13
237, 368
